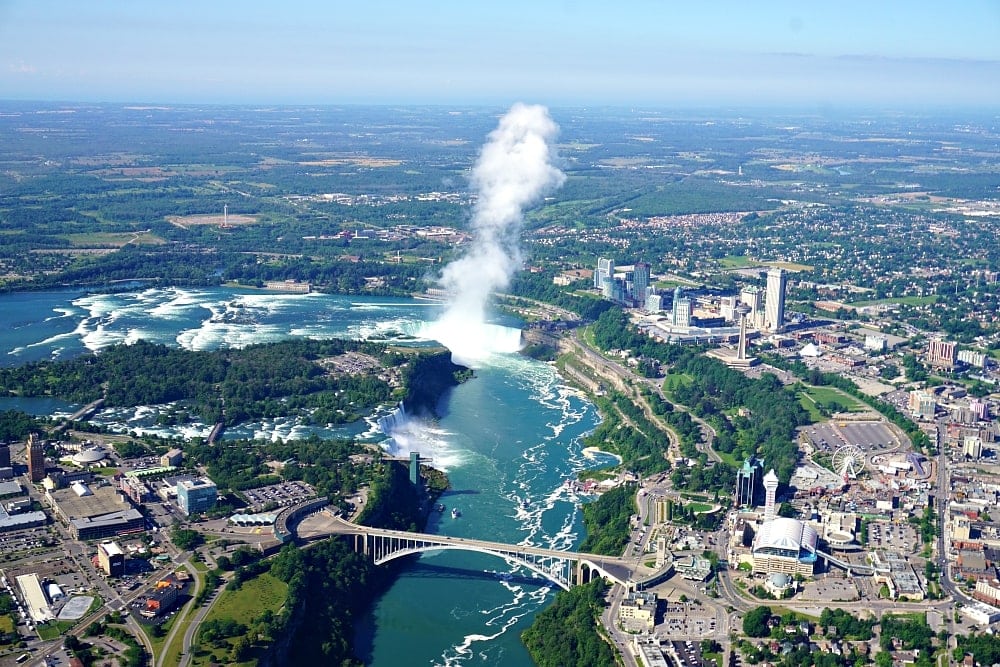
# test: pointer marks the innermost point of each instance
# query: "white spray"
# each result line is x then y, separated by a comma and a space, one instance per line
514, 170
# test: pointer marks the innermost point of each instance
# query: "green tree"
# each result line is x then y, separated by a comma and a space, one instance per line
755, 622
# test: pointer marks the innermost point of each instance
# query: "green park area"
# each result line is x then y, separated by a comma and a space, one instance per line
673, 380
233, 617
821, 402
736, 262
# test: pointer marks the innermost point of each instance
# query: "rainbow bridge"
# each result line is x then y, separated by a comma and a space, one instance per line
564, 568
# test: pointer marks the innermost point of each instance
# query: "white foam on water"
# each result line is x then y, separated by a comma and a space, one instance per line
63, 312
48, 341
99, 337
172, 303
141, 420
407, 433
389, 329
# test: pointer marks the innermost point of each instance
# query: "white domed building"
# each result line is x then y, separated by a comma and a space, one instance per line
89, 456
785, 545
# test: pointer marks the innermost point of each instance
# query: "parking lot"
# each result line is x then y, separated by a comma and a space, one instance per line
833, 587
896, 536
687, 653
687, 619
286, 493
869, 436
872, 437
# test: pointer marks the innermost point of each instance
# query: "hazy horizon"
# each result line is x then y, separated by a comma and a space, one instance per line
568, 54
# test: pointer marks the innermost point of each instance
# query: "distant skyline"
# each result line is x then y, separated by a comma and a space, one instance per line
585, 52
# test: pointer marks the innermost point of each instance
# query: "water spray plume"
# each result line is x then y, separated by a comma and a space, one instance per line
514, 171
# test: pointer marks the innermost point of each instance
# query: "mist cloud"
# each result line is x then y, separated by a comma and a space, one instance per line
515, 170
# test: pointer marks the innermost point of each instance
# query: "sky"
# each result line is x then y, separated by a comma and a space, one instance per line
885, 53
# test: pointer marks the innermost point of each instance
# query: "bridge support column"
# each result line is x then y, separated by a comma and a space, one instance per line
581, 575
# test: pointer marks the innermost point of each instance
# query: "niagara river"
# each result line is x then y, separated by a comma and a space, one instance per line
508, 439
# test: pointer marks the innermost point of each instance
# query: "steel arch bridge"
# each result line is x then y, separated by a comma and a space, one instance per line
564, 568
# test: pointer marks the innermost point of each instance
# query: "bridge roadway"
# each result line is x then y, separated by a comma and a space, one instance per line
565, 568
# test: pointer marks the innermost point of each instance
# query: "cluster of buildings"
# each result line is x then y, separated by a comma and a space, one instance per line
629, 287
94, 506
632, 286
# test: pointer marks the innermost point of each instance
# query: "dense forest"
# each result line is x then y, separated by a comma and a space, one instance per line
230, 385
607, 521
566, 634
625, 431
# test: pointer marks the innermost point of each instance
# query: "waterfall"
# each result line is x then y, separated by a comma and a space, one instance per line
394, 421
472, 343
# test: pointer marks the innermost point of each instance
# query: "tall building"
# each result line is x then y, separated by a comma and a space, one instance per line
111, 559
654, 303
36, 459
770, 492
196, 495
774, 303
605, 269
751, 296
727, 308
922, 404
640, 282
973, 358
741, 351
746, 482
972, 446
4, 455
942, 354
682, 312
172, 458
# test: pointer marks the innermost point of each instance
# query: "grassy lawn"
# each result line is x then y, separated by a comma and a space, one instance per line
729, 459
243, 605
262, 592
53, 629
810, 406
828, 395
158, 642
699, 508
790, 266
6, 623
673, 380
736, 262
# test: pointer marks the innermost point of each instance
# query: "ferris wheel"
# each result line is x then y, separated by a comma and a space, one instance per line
848, 461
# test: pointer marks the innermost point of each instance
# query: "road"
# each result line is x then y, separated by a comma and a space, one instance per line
195, 623
181, 618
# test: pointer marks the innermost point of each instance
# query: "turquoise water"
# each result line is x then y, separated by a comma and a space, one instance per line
508, 439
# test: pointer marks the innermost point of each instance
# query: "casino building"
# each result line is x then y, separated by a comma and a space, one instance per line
785, 545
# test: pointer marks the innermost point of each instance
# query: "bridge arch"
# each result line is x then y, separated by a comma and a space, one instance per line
586, 569
538, 569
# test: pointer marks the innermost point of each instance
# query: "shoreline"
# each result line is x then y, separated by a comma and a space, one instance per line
591, 453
